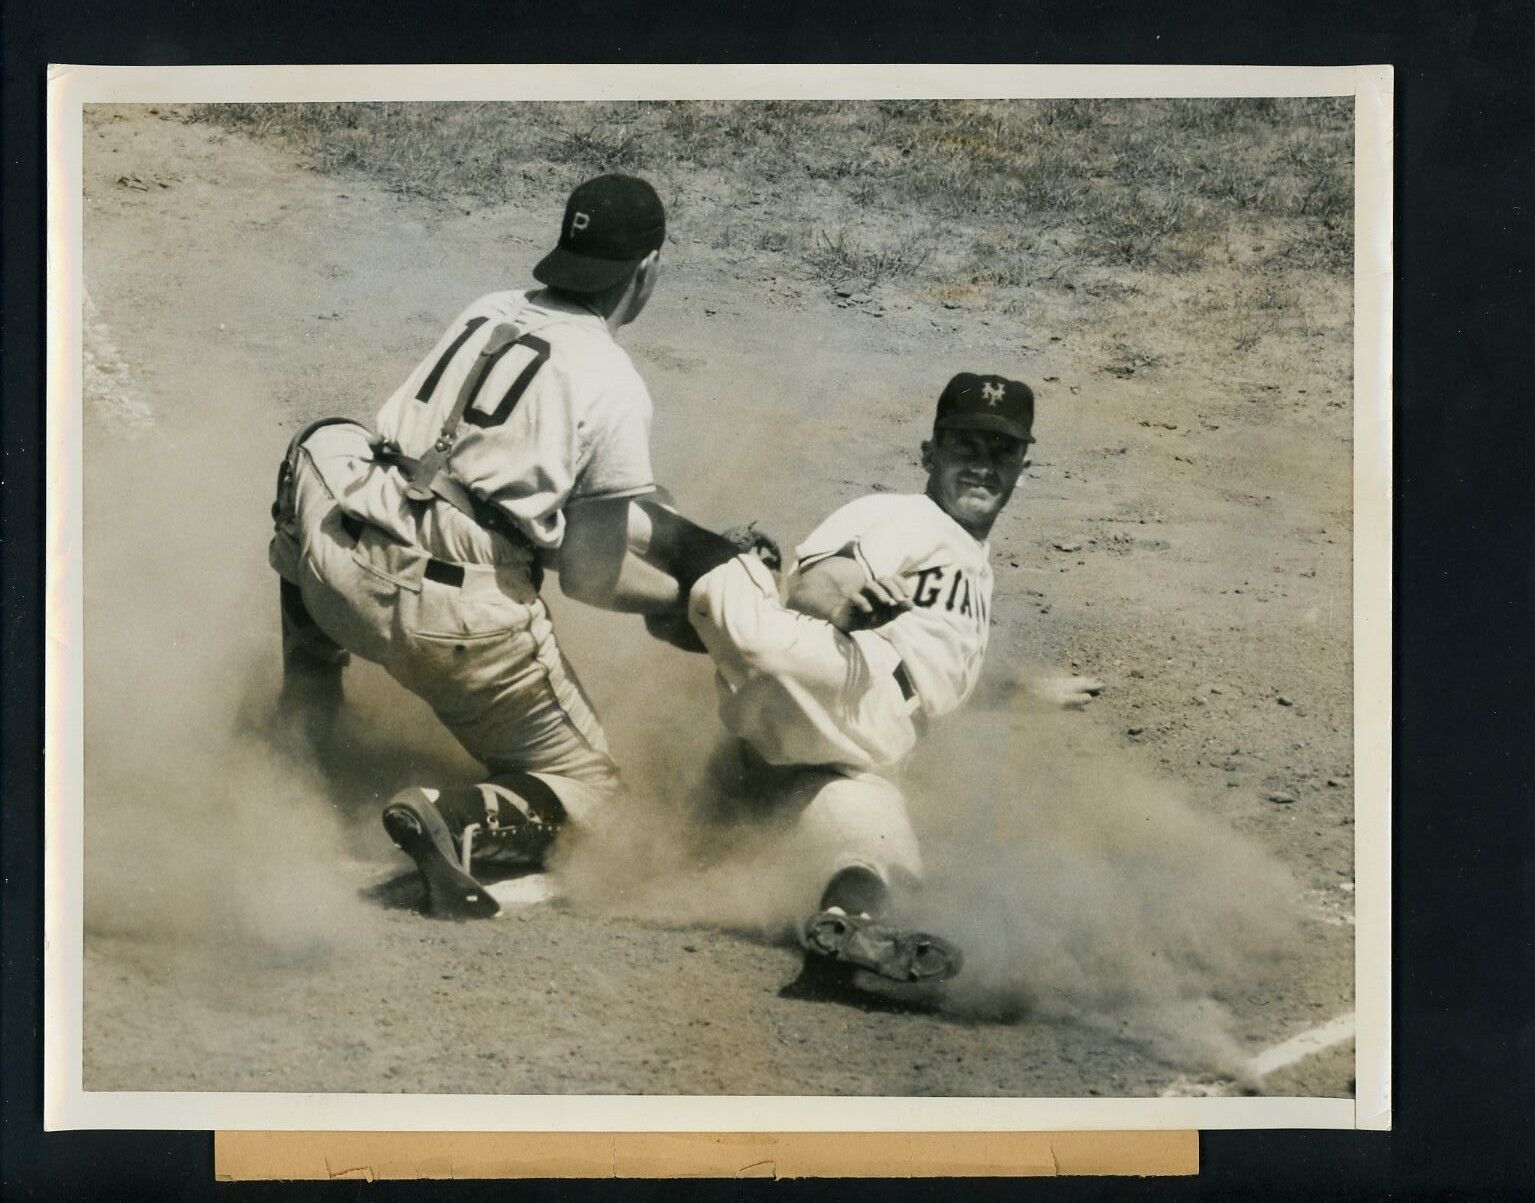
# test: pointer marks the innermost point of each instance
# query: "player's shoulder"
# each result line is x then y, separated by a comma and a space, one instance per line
582, 349
494, 306
906, 507
915, 520
872, 513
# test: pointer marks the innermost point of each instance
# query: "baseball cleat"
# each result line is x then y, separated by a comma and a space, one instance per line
898, 956
417, 828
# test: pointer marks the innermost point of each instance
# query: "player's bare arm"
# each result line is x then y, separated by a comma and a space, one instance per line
597, 566
636, 557
665, 542
684, 549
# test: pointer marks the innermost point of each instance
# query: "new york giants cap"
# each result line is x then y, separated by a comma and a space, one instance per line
994, 403
611, 223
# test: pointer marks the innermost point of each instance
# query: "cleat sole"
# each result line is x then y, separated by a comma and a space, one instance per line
897, 956
419, 832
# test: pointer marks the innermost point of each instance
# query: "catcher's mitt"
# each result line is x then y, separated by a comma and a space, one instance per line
748, 538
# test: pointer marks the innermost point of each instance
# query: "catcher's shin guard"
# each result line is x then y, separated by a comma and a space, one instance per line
522, 816
859, 942
516, 816
311, 668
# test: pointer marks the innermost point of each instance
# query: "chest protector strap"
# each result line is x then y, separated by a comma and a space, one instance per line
426, 477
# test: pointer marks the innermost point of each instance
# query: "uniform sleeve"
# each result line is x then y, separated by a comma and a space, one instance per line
863, 529
884, 547
616, 456
827, 539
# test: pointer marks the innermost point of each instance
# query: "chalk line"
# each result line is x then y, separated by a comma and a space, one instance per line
1288, 1052
1306, 1044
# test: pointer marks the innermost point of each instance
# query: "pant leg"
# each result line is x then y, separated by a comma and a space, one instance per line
825, 822
486, 662
313, 550
320, 462
859, 821
493, 672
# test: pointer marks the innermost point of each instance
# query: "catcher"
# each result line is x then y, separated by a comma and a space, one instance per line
520, 442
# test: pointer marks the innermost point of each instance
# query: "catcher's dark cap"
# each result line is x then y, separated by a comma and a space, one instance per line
994, 403
611, 223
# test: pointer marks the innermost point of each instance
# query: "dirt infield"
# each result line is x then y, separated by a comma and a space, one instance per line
1151, 891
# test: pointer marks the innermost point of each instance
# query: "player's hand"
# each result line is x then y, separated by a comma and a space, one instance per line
878, 602
1065, 692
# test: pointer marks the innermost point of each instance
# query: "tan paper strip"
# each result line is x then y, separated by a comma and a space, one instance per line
260, 1156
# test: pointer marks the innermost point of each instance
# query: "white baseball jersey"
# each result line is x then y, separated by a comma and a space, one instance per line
801, 692
560, 416
797, 689
942, 639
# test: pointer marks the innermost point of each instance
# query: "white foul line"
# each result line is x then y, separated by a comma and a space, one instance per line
106, 379
1298, 1048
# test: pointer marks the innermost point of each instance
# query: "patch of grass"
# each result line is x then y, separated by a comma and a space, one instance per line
1249, 332
598, 147
773, 242
1129, 359
839, 260
1147, 186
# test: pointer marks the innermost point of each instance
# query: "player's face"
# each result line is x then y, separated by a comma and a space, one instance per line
972, 473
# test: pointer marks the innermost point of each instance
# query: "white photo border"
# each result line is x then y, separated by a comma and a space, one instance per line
68, 1105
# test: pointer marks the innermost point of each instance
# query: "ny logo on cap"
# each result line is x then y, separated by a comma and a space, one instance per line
991, 393
579, 221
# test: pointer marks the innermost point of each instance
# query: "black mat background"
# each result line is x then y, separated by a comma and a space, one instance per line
1465, 581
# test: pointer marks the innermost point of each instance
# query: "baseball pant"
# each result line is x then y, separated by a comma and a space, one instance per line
474, 641
825, 712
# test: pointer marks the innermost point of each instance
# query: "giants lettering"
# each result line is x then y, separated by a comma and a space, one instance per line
960, 596
927, 590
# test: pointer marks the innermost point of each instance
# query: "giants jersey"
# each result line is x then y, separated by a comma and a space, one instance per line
942, 639
560, 416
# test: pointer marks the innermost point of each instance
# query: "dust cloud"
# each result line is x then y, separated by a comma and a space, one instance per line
205, 823
1086, 890
1082, 889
